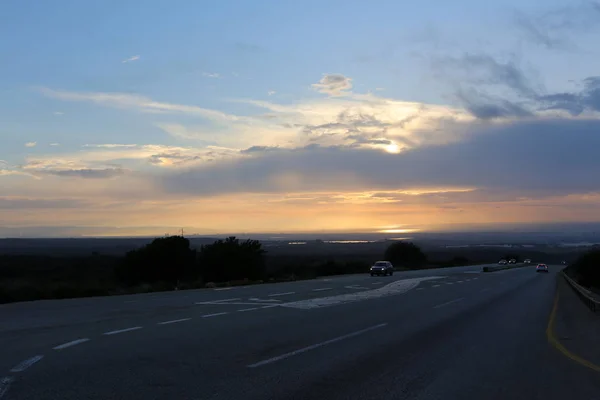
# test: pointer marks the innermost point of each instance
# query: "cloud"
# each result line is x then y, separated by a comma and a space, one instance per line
139, 103
86, 173
54, 144
484, 106
58, 113
489, 89
211, 75
271, 92
111, 146
554, 28
30, 144
13, 172
481, 69
130, 59
576, 102
333, 85
502, 158
20, 203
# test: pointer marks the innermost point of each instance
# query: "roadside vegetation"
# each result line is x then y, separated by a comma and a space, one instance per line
586, 270
171, 263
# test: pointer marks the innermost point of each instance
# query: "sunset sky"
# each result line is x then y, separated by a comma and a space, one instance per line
144, 117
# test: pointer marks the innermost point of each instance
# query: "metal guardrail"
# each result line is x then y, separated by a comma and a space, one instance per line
584, 294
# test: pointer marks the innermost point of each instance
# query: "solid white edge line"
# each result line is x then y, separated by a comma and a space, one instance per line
248, 309
223, 288
5, 385
315, 346
449, 302
214, 315
321, 289
22, 366
174, 321
280, 294
122, 330
69, 344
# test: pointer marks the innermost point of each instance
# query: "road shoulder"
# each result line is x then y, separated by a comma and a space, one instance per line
576, 328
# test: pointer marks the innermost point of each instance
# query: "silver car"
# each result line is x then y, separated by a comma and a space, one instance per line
382, 268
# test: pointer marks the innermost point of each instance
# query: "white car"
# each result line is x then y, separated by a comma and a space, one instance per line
502, 262
527, 261
541, 268
512, 261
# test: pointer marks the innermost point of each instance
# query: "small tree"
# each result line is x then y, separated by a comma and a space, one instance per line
405, 254
167, 259
230, 259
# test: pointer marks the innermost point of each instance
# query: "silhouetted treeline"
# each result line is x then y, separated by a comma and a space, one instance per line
171, 263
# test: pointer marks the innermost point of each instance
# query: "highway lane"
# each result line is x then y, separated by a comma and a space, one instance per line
33, 327
457, 336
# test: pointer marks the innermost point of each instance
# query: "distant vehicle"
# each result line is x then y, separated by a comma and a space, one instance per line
527, 261
502, 262
564, 262
512, 261
541, 268
382, 268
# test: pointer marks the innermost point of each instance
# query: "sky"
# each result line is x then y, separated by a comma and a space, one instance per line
122, 118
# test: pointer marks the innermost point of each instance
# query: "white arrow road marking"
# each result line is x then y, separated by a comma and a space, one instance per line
22, 366
390, 289
263, 300
5, 385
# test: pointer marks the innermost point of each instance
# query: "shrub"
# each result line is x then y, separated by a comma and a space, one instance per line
231, 259
405, 254
167, 259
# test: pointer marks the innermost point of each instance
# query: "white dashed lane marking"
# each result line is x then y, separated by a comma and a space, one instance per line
257, 308
214, 315
223, 300
22, 366
436, 285
449, 302
281, 294
135, 328
174, 321
315, 346
321, 289
69, 344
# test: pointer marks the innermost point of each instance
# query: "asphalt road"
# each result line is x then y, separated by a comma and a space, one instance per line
435, 334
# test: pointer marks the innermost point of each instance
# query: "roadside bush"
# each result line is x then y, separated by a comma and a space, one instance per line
167, 259
406, 255
586, 269
231, 259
